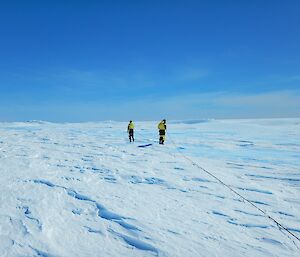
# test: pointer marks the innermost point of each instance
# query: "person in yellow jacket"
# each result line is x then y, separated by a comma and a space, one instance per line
162, 127
130, 129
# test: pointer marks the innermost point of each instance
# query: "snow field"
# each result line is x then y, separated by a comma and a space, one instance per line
84, 190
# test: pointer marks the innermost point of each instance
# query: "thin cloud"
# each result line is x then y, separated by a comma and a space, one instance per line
225, 105
282, 99
190, 106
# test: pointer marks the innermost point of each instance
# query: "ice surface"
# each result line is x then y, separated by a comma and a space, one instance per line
84, 190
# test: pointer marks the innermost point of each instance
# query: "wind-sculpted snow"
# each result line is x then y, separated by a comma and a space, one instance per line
105, 214
84, 190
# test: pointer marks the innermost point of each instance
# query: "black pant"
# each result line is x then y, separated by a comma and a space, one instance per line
162, 134
130, 132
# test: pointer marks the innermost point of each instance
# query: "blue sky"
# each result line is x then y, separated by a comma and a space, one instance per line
144, 60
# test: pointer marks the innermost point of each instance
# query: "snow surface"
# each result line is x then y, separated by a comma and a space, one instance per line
84, 190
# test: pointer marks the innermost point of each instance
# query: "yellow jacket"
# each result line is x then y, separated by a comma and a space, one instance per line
130, 125
162, 126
